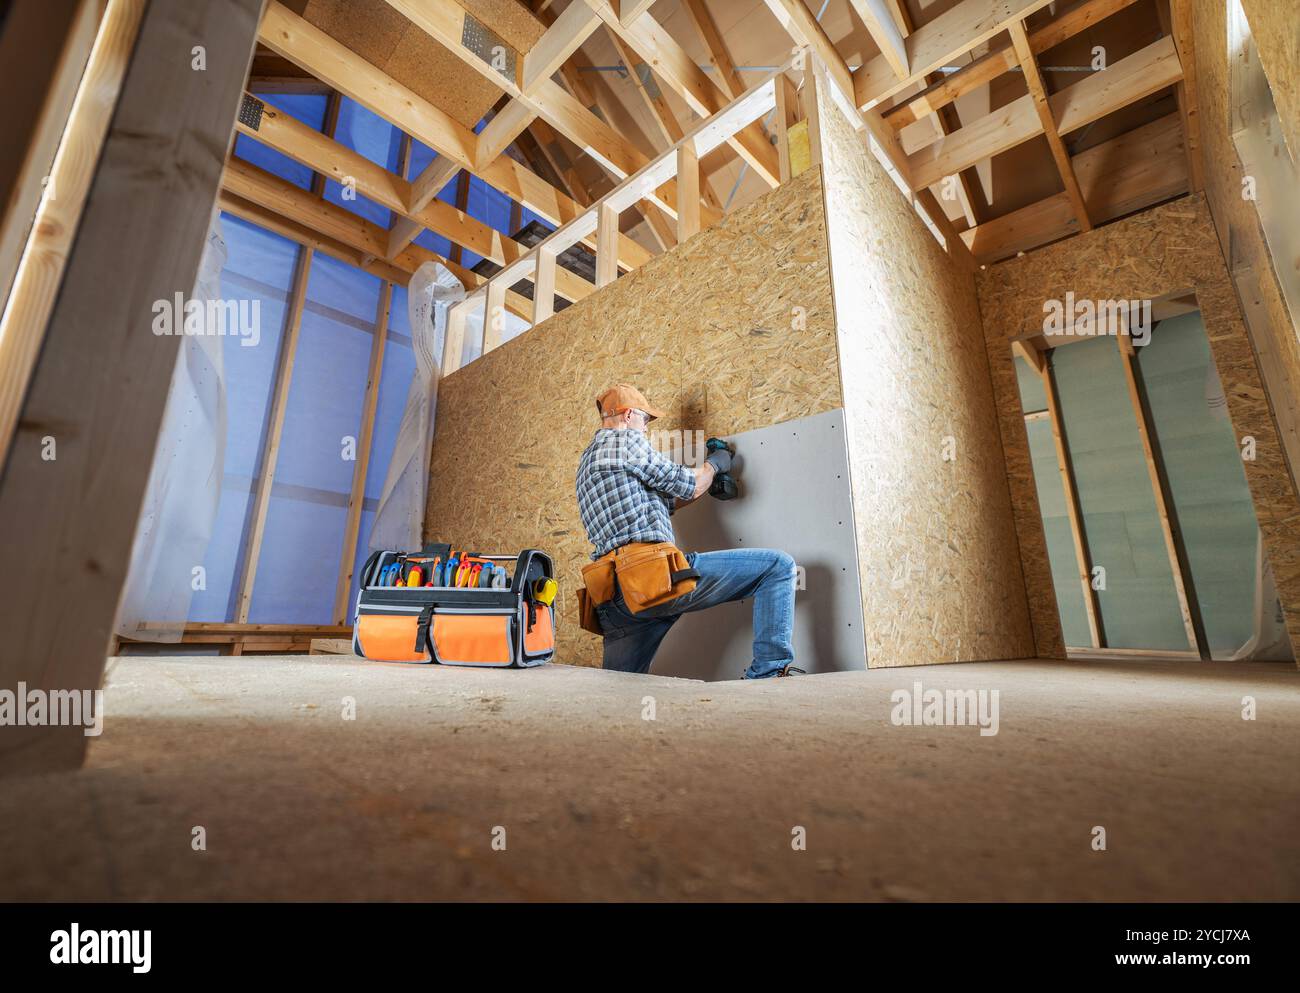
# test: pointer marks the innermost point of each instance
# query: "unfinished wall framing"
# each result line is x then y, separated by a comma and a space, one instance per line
1166, 251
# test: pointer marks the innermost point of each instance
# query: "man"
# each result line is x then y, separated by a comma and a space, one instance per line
626, 492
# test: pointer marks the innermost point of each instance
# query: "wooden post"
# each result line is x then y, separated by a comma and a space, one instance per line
787, 115
271, 452
494, 314
43, 52
607, 245
688, 190
544, 286
72, 488
807, 151
457, 253
357, 499
454, 344
1073, 510
1188, 606
41, 268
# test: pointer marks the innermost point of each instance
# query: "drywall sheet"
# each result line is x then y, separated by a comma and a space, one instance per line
940, 573
1170, 250
730, 331
795, 497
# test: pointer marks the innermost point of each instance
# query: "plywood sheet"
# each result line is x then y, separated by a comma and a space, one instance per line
1168, 250
940, 572
796, 498
708, 331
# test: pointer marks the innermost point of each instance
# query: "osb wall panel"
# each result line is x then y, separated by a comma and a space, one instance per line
1236, 220
704, 331
937, 552
1169, 249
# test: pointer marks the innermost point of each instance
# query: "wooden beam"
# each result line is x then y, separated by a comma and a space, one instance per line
100, 397
1005, 128
304, 44
805, 30
1034, 81
716, 47
939, 43
561, 40
630, 10
1118, 177
502, 130
884, 32
40, 270
647, 37
1001, 60
943, 125
1128, 80
1073, 510
422, 191
1124, 82
318, 53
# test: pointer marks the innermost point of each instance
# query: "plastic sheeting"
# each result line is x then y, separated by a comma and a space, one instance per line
180, 502
399, 519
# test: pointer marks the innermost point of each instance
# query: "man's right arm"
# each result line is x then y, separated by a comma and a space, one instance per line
703, 480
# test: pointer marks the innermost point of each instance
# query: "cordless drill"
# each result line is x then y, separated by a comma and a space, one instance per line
724, 483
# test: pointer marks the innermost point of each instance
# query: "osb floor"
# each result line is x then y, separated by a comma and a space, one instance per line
700, 803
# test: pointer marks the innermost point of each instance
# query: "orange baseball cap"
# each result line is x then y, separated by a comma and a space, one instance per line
624, 396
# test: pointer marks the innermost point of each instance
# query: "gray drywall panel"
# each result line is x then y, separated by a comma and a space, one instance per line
794, 495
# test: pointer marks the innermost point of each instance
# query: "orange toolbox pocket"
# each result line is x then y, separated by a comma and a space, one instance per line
472, 637
539, 634
392, 636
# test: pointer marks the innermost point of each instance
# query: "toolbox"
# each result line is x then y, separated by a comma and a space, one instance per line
456, 608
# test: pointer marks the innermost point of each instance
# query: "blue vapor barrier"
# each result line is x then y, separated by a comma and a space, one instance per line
371, 136
298, 566
394, 382
302, 544
259, 269
309, 108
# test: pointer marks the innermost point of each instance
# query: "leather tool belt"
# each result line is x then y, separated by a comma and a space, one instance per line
648, 573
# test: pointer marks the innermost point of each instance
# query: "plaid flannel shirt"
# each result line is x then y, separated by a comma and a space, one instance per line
626, 490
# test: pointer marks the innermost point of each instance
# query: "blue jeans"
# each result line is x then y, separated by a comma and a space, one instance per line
765, 574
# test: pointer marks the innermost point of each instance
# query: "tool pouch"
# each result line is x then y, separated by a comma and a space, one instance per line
456, 625
652, 573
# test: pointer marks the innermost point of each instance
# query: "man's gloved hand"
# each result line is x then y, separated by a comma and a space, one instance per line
724, 487
720, 460
719, 454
